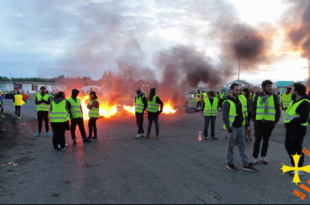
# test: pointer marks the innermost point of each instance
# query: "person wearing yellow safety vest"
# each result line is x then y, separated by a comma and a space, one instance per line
153, 112
93, 115
140, 107
204, 95
198, 98
222, 97
59, 117
246, 94
265, 115
42, 102
235, 122
286, 99
18, 101
76, 116
209, 111
295, 119
1, 106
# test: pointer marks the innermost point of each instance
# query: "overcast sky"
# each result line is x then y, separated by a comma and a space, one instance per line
49, 38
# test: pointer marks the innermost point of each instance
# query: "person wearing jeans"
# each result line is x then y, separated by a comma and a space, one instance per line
209, 109
153, 111
235, 121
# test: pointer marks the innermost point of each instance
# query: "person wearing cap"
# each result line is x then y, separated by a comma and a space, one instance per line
209, 110
59, 120
140, 106
43, 103
286, 98
76, 115
154, 111
93, 115
18, 101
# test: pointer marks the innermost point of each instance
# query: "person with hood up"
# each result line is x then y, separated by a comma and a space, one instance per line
93, 114
295, 119
18, 101
76, 115
140, 106
59, 118
153, 112
43, 102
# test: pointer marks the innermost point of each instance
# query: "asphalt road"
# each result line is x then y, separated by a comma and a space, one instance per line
117, 168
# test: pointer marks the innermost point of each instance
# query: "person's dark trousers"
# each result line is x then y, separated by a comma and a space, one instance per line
2, 111
43, 115
92, 126
263, 132
17, 111
293, 144
59, 130
198, 105
80, 123
155, 119
139, 118
207, 121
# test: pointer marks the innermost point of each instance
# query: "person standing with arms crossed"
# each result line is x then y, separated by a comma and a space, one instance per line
43, 104
234, 121
76, 115
153, 112
209, 110
18, 101
141, 105
93, 114
295, 120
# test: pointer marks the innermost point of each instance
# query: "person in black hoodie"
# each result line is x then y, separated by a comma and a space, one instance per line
141, 105
76, 115
295, 119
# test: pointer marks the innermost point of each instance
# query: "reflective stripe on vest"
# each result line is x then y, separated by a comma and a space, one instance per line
286, 99
139, 104
75, 108
93, 112
59, 112
271, 111
291, 114
211, 110
152, 106
232, 113
43, 106
18, 100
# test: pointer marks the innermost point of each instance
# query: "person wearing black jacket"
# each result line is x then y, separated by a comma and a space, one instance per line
295, 119
45, 100
263, 125
141, 105
76, 121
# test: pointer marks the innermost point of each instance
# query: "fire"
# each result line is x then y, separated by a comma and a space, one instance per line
106, 109
168, 109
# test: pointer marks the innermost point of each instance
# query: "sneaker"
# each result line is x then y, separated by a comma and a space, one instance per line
94, 138
63, 149
38, 134
254, 161
214, 138
206, 138
300, 173
18, 118
264, 160
74, 141
48, 134
231, 167
249, 168
138, 136
86, 140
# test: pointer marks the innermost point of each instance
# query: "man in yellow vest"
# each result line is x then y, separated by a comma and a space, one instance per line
209, 110
43, 104
18, 101
295, 119
198, 98
235, 122
286, 99
265, 115
76, 116
140, 106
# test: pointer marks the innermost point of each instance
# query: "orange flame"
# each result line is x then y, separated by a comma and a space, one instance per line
131, 110
168, 109
106, 109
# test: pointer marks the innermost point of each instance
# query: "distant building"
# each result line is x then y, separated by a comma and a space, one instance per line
31, 87
282, 85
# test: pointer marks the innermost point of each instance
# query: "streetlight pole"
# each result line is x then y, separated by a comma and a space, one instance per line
246, 37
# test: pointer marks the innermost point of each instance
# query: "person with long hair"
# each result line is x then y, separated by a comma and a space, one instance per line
59, 117
246, 93
154, 111
93, 115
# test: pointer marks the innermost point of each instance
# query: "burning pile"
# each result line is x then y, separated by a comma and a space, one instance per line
168, 109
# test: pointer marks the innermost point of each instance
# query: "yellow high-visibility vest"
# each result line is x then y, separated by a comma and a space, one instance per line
291, 114
271, 110
18, 100
286, 99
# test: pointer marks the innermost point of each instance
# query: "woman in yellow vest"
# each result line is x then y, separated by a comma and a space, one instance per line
18, 101
209, 110
93, 114
295, 119
153, 112
59, 117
